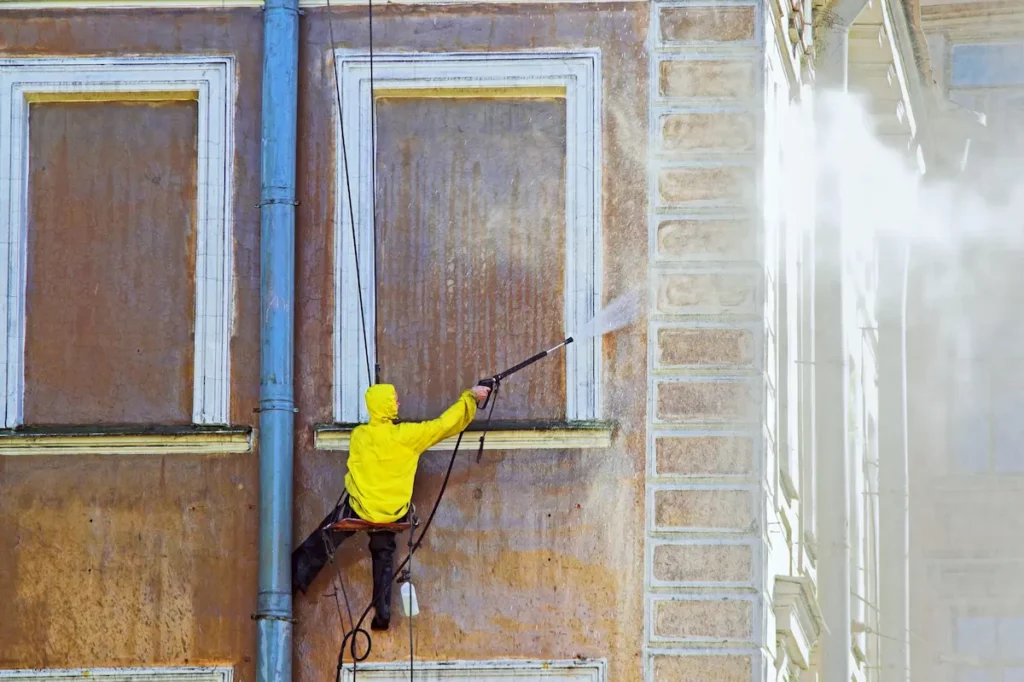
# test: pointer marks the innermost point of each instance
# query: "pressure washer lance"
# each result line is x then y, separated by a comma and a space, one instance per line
494, 381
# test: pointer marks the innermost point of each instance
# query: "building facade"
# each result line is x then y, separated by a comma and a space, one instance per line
965, 459
704, 494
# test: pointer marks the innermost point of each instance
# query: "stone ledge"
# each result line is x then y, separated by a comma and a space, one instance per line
501, 436
798, 619
161, 674
125, 441
235, 4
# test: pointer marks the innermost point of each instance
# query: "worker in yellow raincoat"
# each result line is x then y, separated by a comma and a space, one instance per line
382, 462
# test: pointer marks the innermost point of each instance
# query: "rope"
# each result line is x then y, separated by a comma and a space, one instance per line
373, 184
409, 580
348, 187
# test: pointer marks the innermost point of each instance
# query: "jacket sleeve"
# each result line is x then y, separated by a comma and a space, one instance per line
421, 435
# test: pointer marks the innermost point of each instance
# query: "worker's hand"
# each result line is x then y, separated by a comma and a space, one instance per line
480, 392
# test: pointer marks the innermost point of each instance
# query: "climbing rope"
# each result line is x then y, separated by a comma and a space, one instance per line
348, 182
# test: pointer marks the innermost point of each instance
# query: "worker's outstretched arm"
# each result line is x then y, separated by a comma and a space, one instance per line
422, 435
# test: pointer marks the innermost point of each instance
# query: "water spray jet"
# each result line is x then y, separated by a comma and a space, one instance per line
615, 315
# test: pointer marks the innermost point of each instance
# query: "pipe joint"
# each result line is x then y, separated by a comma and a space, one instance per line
280, 404
273, 606
283, 6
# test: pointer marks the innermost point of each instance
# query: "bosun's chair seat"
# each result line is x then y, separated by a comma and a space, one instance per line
357, 524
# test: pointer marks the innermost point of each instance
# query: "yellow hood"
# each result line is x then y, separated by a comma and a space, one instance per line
383, 456
382, 403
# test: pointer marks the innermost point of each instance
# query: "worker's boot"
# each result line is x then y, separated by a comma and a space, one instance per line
382, 551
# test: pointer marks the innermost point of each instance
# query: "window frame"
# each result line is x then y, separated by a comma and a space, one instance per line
168, 674
587, 670
578, 74
211, 81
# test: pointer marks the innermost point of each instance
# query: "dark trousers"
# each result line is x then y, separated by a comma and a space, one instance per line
312, 555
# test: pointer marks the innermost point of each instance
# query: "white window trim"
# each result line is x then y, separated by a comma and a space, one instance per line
190, 674
579, 73
484, 671
213, 81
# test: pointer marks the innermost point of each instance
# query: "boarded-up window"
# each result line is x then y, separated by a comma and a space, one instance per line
471, 250
111, 255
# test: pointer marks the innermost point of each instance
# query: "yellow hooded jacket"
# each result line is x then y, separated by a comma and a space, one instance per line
383, 456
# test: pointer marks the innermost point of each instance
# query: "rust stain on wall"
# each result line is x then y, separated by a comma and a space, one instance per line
123, 561
471, 250
498, 577
532, 554
111, 262
126, 560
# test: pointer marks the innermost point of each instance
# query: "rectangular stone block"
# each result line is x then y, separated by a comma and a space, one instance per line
718, 79
696, 293
711, 509
683, 401
706, 239
725, 132
703, 563
704, 456
706, 24
703, 347
718, 619
727, 185
701, 668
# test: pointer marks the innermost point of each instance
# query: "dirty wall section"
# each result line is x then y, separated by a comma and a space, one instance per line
533, 554
151, 560
118, 560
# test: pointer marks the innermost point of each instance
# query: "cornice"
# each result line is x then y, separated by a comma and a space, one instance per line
982, 21
254, 4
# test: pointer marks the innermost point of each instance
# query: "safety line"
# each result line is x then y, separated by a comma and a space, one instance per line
348, 189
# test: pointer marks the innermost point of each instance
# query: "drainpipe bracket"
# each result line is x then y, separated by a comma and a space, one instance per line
270, 616
276, 201
257, 410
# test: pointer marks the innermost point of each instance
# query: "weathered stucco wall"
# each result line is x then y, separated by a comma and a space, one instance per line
152, 560
532, 554
122, 560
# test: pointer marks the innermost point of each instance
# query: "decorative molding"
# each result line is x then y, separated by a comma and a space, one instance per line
981, 22
578, 74
570, 437
194, 674
209, 80
711, 633
234, 4
798, 619
233, 441
489, 671
703, 524
128, 4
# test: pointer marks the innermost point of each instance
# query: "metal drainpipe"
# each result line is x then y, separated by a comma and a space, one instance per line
277, 332
831, 368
